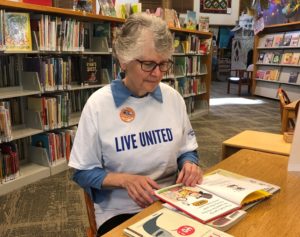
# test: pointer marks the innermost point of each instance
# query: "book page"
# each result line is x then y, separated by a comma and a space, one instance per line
270, 188
197, 202
235, 190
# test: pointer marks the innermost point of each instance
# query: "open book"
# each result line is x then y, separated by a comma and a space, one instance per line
166, 222
218, 195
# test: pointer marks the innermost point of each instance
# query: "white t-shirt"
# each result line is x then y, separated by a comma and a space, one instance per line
142, 136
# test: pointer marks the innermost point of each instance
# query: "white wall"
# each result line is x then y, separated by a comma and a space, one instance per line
220, 19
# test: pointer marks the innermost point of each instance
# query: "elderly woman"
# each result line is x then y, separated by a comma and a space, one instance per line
134, 135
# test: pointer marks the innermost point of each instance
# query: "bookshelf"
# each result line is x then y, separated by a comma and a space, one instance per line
191, 75
277, 61
66, 97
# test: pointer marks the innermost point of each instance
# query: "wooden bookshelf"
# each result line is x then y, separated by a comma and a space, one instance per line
268, 88
37, 165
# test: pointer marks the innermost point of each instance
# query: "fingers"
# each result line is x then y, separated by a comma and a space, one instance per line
140, 189
190, 175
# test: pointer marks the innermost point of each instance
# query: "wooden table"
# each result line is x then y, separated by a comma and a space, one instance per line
277, 216
258, 141
288, 113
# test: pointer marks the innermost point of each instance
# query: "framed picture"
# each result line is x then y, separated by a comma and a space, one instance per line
215, 6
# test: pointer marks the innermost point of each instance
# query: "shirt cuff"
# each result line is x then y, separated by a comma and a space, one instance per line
191, 156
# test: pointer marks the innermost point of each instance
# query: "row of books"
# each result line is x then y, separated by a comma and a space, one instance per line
188, 66
274, 75
187, 86
9, 162
8, 74
58, 73
287, 39
5, 122
53, 109
288, 58
191, 44
58, 144
24, 32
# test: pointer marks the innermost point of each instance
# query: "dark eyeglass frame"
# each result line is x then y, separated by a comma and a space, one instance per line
144, 64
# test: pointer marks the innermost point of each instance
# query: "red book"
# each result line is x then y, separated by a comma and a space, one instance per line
39, 2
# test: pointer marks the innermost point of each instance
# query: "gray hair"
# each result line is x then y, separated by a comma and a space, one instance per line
131, 38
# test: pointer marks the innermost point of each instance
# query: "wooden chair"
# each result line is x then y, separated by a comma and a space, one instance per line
240, 77
92, 230
285, 100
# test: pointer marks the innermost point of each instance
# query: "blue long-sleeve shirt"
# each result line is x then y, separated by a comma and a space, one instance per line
91, 180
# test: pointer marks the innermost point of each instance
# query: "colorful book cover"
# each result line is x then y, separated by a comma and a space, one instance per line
277, 40
268, 58
286, 58
17, 32
191, 20
293, 77
90, 72
295, 39
287, 39
276, 57
295, 59
269, 41
261, 57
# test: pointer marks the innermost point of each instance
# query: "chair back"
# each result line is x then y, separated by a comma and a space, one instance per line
284, 100
92, 230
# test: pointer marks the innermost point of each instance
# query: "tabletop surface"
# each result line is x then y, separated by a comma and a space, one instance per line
261, 141
277, 216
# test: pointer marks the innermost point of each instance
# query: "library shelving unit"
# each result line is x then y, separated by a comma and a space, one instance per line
191, 74
276, 61
36, 162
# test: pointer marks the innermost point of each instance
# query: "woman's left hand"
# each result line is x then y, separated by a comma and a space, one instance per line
190, 174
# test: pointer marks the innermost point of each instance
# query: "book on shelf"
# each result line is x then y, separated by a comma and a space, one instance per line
278, 38
90, 70
268, 58
261, 57
169, 17
286, 58
295, 39
218, 195
2, 43
166, 222
287, 39
260, 74
9, 162
39, 2
293, 77
203, 23
295, 59
276, 57
17, 31
269, 41
191, 20
107, 8
271, 75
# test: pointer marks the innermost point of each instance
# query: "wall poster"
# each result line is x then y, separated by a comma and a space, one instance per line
215, 6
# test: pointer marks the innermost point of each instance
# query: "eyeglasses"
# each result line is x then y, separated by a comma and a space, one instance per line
149, 66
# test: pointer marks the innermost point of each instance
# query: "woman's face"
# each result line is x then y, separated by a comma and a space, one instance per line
139, 81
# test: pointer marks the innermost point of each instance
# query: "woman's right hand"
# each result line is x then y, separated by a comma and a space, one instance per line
140, 188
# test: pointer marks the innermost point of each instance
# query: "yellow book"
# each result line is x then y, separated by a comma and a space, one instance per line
17, 32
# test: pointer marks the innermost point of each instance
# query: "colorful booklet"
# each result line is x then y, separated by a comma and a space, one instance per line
166, 222
218, 195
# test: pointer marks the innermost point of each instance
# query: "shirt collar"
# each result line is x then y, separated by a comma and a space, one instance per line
121, 93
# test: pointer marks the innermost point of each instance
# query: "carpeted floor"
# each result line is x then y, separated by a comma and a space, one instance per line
54, 207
